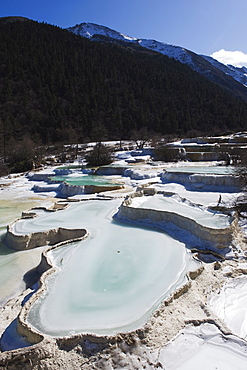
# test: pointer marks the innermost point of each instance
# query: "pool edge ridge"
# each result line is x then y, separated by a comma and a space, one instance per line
212, 239
45, 268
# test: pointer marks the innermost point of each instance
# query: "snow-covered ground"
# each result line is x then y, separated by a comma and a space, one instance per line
230, 304
204, 347
217, 296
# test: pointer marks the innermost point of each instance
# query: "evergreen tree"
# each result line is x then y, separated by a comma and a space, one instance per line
58, 87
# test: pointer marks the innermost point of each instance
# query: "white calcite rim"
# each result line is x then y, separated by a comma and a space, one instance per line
216, 239
205, 179
42, 238
54, 236
45, 268
29, 324
34, 336
26, 326
230, 304
69, 190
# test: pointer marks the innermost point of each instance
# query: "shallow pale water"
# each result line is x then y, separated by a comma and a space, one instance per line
209, 356
13, 264
203, 217
74, 179
217, 170
230, 305
198, 197
110, 282
10, 209
204, 347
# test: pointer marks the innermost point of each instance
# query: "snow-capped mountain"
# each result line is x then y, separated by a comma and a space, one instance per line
93, 31
89, 30
239, 74
229, 77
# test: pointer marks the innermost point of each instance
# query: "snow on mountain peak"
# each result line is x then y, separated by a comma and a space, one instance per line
169, 50
233, 64
90, 29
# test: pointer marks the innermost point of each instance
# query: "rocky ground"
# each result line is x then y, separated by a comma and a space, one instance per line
136, 350
142, 349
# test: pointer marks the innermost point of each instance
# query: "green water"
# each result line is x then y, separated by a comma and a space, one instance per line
111, 281
84, 180
11, 209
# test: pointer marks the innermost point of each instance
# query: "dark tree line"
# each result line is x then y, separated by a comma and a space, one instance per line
60, 87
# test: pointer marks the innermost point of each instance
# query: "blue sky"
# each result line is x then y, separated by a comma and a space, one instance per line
199, 25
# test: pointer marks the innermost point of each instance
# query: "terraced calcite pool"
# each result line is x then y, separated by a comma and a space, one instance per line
81, 180
114, 279
110, 282
216, 170
174, 204
13, 265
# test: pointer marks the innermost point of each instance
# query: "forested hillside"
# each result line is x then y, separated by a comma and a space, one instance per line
60, 87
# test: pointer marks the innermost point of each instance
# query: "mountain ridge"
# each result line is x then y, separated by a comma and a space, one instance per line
229, 77
60, 87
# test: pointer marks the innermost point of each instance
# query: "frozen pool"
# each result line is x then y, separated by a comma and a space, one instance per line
86, 214
110, 282
217, 170
13, 264
198, 197
83, 179
10, 209
210, 356
204, 347
172, 204
230, 305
